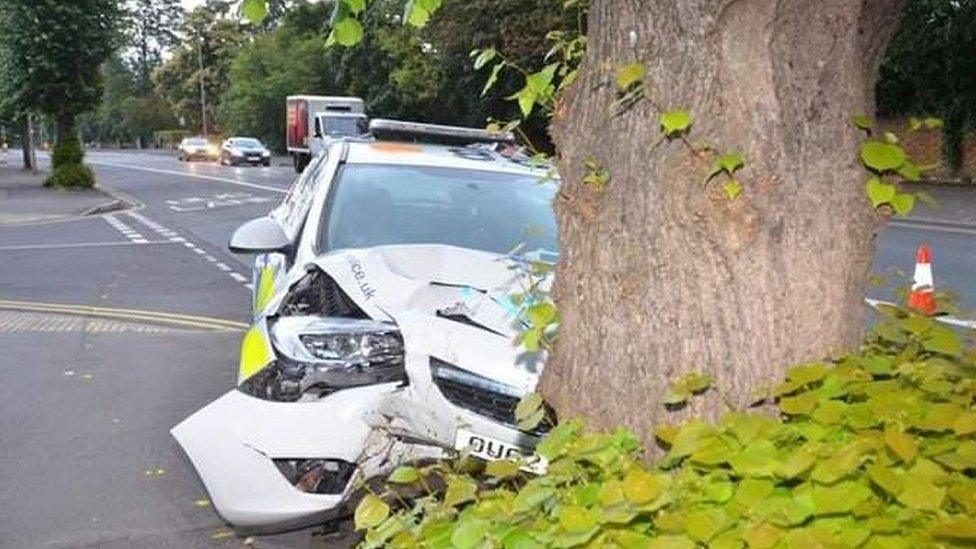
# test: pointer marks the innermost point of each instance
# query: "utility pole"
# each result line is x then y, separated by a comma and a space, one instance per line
31, 150
203, 93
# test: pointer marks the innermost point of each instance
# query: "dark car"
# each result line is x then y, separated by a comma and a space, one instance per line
244, 150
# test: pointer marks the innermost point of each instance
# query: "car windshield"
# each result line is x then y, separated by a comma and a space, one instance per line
247, 142
376, 205
346, 125
196, 142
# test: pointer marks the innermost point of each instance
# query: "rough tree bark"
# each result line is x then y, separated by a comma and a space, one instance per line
662, 276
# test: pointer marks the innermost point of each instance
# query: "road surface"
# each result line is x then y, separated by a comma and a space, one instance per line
87, 402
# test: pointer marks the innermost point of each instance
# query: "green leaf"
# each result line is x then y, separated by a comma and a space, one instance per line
903, 203
459, 490
902, 444
575, 519
556, 441
469, 532
891, 138
921, 493
254, 10
956, 527
862, 122
484, 57
932, 123
492, 78
880, 192
914, 124
675, 122
943, 340
532, 495
628, 75
416, 14
355, 6
730, 162
404, 475
528, 405
641, 486
532, 421
732, 189
502, 468
881, 157
370, 512
910, 171
542, 314
526, 99
348, 31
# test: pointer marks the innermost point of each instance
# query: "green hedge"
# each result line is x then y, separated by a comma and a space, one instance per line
71, 175
874, 449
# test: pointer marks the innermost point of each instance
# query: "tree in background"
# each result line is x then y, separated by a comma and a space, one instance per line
286, 61
151, 29
55, 50
930, 68
207, 35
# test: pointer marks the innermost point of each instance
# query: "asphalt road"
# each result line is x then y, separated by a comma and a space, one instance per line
86, 404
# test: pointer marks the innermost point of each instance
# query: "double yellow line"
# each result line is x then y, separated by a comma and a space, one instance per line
155, 317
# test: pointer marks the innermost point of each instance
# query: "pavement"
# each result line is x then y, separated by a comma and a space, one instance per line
24, 200
115, 327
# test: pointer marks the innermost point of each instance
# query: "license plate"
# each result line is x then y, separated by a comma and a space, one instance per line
491, 449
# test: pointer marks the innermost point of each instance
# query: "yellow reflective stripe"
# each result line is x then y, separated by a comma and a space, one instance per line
255, 353
266, 285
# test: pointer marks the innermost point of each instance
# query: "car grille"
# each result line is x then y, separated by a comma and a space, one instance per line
483, 401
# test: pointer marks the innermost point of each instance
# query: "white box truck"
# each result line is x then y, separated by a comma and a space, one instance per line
311, 120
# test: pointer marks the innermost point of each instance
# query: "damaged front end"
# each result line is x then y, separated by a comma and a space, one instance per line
368, 359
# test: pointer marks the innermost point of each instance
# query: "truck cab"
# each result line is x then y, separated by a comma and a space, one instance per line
314, 120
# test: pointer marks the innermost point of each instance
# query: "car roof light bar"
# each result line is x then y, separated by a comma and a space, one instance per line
399, 130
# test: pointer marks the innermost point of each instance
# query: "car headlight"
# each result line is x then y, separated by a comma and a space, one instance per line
236, 152
316, 356
265, 153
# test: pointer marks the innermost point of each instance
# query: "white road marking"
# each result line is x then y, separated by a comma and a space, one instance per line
909, 224
172, 236
79, 245
950, 320
126, 230
187, 174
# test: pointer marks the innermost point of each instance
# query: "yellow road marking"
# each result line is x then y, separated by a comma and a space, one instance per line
128, 314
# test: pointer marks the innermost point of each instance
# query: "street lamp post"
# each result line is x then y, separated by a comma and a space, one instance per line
203, 93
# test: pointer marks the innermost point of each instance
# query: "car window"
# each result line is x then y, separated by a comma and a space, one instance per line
293, 208
246, 142
375, 205
346, 125
196, 142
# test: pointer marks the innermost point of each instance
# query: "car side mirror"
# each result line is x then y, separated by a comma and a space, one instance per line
258, 236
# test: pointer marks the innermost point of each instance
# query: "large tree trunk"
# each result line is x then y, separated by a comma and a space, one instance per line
27, 142
662, 276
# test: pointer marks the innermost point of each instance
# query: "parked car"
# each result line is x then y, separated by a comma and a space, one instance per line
196, 148
244, 150
384, 328
314, 120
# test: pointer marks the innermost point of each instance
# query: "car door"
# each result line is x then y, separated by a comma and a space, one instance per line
271, 269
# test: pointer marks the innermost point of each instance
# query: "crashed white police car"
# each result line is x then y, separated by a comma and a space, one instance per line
384, 330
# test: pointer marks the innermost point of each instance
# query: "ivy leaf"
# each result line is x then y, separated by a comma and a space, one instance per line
957, 527
903, 203
903, 445
404, 475
862, 122
348, 31
880, 156
526, 100
732, 189
943, 340
370, 512
914, 124
675, 122
880, 192
932, 123
628, 75
254, 10
891, 138
416, 14
910, 171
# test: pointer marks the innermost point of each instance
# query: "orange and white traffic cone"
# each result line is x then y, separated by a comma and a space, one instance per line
922, 296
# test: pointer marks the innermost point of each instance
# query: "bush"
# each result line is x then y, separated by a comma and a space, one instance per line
873, 449
71, 175
67, 153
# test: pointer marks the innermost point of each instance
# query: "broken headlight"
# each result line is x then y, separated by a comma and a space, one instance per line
316, 356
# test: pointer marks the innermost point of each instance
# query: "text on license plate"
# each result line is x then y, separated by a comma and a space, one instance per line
488, 448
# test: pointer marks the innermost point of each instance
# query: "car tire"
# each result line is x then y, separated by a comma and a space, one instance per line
266, 163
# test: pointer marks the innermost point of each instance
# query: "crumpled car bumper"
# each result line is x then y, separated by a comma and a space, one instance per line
233, 441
